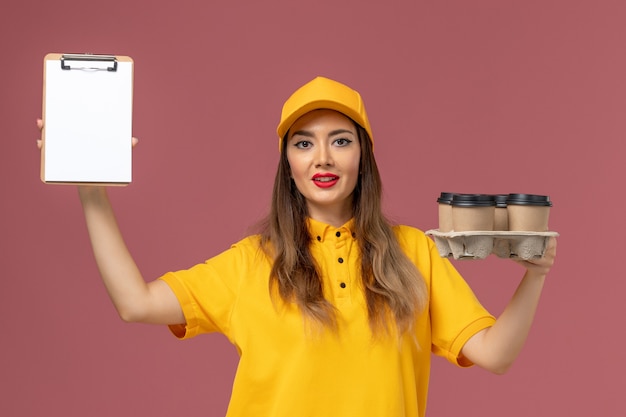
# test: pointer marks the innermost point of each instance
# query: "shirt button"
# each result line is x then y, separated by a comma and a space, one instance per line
342, 285
340, 260
338, 234
319, 238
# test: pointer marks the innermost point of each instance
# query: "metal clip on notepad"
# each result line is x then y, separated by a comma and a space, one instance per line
89, 58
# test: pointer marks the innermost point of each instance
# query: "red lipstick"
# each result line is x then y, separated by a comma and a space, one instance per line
325, 180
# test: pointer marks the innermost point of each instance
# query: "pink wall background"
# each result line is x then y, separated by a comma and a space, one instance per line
481, 96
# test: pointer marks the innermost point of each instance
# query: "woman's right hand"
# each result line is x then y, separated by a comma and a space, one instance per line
84, 190
40, 141
40, 127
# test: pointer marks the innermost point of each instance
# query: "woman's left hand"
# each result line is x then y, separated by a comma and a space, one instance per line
541, 266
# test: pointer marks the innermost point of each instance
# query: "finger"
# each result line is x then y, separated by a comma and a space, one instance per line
134, 141
552, 245
550, 252
39, 143
39, 124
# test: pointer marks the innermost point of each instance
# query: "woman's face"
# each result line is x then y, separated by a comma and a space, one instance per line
324, 155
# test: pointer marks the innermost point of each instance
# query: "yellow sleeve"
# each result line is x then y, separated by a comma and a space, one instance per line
208, 292
455, 314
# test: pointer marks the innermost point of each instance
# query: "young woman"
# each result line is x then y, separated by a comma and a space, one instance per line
334, 311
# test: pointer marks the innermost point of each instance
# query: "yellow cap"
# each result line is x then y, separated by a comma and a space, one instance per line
323, 93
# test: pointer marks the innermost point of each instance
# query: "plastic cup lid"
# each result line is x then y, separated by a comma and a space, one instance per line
501, 200
445, 198
473, 200
529, 200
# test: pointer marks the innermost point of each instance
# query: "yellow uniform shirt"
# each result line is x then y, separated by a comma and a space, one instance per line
287, 370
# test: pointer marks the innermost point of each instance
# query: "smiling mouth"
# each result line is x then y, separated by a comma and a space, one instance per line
325, 179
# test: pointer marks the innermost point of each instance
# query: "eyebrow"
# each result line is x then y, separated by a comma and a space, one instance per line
310, 134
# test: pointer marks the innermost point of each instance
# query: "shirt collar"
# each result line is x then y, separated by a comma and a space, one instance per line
321, 231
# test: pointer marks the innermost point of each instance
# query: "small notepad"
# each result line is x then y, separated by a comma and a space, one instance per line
87, 115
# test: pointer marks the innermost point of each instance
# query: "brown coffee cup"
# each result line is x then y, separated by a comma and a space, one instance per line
445, 212
528, 212
501, 216
473, 212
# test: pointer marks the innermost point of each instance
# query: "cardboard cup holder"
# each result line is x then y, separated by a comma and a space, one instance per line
480, 244
473, 226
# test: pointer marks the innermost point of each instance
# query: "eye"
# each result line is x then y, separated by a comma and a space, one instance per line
343, 142
303, 144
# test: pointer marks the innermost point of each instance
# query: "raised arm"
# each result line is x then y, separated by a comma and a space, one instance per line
497, 347
134, 299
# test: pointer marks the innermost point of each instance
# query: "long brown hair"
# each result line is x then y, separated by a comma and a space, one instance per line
394, 289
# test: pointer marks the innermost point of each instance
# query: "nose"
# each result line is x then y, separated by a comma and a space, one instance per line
323, 156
